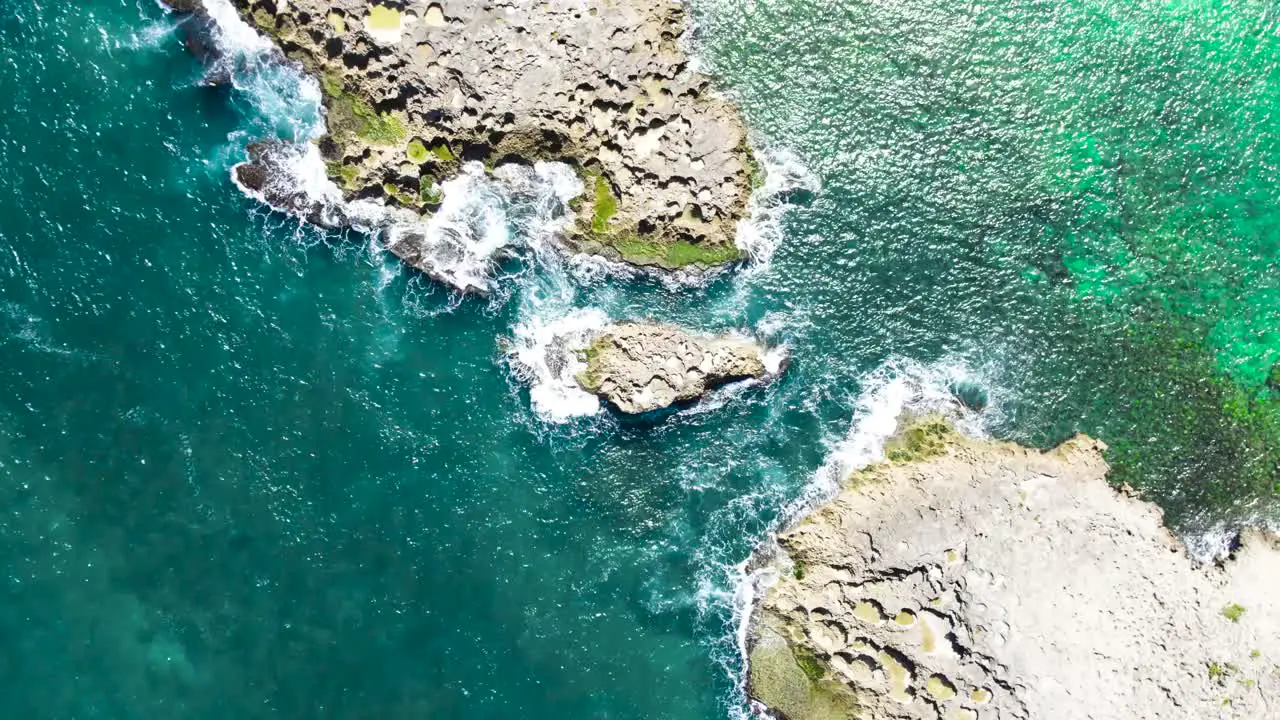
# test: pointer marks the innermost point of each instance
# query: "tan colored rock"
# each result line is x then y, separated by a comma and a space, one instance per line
601, 84
640, 367
1009, 583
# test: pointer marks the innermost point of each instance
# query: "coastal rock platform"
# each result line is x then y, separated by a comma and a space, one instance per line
414, 89
965, 579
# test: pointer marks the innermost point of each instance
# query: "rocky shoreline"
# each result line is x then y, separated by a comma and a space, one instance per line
964, 579
413, 89
959, 579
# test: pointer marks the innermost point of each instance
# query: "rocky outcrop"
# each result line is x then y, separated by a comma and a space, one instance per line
267, 175
413, 88
641, 367
185, 6
973, 579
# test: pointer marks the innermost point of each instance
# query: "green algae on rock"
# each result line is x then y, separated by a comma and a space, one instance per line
777, 673
1018, 581
602, 85
920, 440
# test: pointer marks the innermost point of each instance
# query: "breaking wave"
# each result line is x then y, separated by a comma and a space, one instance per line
484, 218
896, 389
285, 102
544, 354
786, 181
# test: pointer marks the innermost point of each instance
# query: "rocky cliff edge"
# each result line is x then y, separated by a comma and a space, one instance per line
414, 88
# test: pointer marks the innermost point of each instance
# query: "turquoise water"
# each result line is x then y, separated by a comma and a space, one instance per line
251, 469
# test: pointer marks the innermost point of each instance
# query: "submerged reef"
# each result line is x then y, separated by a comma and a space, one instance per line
412, 90
963, 579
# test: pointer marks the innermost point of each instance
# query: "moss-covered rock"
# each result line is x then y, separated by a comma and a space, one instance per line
920, 439
796, 685
605, 205
344, 175
416, 151
429, 191
668, 174
667, 250
352, 118
642, 367
974, 579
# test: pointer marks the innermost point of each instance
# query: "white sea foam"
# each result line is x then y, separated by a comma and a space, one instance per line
760, 233
544, 196
905, 387
284, 97
588, 269
235, 35
483, 217
544, 353
1214, 543
776, 323
300, 174
461, 241
775, 358
149, 36
1218, 540
897, 387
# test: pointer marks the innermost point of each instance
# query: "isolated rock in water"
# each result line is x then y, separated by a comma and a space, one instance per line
640, 367
412, 90
974, 579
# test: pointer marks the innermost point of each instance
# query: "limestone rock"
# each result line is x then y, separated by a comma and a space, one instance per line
640, 367
601, 84
266, 176
983, 580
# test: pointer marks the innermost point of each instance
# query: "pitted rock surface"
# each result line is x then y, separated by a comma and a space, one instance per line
640, 367
996, 582
413, 88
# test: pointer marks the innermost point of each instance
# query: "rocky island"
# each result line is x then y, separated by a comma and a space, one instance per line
964, 579
641, 367
415, 88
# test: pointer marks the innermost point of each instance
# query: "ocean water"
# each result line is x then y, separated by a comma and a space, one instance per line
255, 469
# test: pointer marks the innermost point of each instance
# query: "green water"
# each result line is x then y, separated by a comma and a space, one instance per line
251, 470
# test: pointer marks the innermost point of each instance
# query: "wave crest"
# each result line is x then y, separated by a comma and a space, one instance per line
896, 388
545, 354
787, 181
